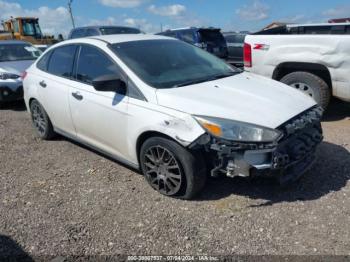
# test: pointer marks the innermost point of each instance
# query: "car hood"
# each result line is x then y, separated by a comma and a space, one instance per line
15, 67
243, 97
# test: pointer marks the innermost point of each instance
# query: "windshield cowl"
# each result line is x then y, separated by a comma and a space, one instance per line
213, 78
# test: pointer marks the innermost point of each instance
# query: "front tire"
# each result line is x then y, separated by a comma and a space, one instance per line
171, 169
41, 121
311, 85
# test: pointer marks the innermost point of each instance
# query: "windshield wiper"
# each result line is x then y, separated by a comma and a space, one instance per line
191, 82
222, 76
215, 77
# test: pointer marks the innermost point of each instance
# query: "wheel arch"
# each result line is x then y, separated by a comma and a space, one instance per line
286, 68
30, 101
148, 134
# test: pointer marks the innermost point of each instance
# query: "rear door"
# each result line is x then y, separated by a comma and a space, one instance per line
54, 82
100, 118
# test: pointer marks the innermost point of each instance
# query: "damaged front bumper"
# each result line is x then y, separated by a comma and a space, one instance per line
287, 159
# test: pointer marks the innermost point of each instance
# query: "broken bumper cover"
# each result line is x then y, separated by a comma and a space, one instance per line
287, 159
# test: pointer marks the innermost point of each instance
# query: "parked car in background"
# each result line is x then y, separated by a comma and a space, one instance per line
313, 58
101, 30
42, 48
15, 57
171, 109
209, 39
235, 43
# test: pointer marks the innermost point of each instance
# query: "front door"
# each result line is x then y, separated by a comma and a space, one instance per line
100, 118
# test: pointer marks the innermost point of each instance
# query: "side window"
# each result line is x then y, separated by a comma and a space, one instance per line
43, 62
16, 27
93, 63
61, 61
187, 36
77, 33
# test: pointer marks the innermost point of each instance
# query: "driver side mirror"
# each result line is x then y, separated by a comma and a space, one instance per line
109, 83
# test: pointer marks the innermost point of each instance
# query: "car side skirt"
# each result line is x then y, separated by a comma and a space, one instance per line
112, 156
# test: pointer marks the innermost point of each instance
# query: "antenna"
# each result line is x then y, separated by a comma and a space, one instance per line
70, 12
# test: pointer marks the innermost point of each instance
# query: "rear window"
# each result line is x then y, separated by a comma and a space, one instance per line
91, 32
119, 30
61, 61
211, 36
169, 34
187, 36
77, 33
234, 39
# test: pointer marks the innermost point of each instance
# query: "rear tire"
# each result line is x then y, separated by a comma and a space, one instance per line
311, 85
171, 169
41, 121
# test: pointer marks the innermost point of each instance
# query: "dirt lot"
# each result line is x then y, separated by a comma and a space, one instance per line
59, 198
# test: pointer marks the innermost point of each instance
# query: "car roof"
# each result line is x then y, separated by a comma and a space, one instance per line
113, 39
13, 42
192, 28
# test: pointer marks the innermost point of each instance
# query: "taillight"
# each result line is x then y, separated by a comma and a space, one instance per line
247, 55
24, 74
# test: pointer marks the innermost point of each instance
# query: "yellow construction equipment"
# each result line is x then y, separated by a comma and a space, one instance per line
26, 29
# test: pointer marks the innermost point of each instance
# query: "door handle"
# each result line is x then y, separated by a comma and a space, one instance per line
42, 83
77, 95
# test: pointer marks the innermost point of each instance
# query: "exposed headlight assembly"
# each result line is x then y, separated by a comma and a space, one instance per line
5, 76
237, 131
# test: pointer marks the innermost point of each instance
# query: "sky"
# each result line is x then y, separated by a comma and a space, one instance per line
152, 15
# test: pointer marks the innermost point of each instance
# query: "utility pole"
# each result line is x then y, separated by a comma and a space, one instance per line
70, 12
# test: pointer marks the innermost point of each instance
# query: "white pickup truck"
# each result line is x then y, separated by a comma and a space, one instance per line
313, 58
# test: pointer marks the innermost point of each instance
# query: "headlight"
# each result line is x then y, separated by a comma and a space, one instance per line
237, 131
5, 76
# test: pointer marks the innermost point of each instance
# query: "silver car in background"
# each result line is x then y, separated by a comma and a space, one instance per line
15, 58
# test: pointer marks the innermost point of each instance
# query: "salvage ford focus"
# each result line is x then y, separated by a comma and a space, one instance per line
172, 110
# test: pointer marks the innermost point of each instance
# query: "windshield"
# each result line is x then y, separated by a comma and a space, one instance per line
31, 28
171, 63
18, 52
211, 36
119, 30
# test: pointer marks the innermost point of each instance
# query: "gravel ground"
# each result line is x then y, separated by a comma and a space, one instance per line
59, 198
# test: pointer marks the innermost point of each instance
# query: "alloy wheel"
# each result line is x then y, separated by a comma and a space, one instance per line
38, 119
163, 171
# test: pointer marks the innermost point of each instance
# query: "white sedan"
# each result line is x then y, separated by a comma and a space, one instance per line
171, 109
